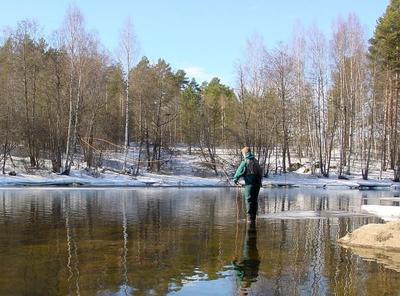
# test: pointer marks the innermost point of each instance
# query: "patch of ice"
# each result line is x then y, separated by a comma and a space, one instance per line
396, 187
374, 183
344, 214
300, 215
292, 215
387, 213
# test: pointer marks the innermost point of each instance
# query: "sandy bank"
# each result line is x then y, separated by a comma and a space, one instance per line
377, 236
376, 242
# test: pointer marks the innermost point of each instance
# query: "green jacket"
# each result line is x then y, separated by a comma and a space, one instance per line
249, 178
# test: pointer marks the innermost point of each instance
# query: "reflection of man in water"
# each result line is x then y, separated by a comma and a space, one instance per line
247, 269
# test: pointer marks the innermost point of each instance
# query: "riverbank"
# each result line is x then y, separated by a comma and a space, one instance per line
112, 179
83, 178
182, 170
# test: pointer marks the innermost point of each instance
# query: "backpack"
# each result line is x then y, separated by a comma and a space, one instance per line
253, 168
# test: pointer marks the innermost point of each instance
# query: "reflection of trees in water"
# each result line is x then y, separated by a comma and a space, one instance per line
117, 239
301, 256
165, 245
72, 249
125, 247
281, 200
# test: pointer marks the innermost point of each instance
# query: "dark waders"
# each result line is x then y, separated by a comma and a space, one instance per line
251, 199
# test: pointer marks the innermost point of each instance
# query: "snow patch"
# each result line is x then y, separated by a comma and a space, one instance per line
311, 215
387, 213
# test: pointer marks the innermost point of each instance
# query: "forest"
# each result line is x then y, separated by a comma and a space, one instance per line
331, 100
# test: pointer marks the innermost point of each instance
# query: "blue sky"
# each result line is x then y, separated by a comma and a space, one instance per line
206, 38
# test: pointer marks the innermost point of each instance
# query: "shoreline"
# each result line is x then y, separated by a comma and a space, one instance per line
290, 180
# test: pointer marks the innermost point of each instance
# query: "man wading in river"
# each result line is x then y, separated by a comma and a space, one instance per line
250, 170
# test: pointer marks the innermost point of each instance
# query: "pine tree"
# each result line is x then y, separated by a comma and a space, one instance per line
385, 52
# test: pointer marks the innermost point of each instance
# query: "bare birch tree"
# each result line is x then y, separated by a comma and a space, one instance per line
75, 39
127, 50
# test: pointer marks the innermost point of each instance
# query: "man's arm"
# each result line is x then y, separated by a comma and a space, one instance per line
240, 171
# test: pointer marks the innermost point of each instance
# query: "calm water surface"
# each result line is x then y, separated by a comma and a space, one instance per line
185, 242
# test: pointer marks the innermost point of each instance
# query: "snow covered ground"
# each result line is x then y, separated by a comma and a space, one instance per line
181, 170
83, 178
80, 178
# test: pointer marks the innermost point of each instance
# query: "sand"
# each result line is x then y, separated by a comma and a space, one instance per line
377, 236
376, 242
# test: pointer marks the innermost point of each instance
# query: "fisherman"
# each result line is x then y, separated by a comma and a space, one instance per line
251, 171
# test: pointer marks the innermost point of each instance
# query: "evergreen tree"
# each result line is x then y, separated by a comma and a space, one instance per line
384, 52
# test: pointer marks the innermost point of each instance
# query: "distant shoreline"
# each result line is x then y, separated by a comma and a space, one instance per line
290, 180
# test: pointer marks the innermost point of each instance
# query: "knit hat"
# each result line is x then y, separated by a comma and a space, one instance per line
246, 150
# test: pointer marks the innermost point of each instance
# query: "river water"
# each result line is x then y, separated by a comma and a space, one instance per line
159, 241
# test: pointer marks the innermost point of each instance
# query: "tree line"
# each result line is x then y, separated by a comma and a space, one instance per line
330, 99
